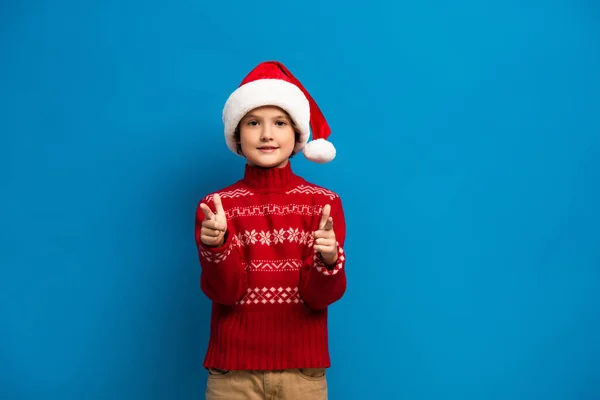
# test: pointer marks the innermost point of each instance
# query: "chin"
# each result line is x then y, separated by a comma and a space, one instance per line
267, 162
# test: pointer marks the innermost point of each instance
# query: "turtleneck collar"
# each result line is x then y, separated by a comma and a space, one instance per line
269, 179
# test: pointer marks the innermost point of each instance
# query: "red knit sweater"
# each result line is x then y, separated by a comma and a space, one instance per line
269, 288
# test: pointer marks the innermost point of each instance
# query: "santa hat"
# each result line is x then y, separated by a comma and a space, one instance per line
272, 84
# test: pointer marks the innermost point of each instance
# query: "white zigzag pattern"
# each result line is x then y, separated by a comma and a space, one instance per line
218, 257
338, 266
276, 236
231, 194
303, 189
271, 295
273, 209
274, 265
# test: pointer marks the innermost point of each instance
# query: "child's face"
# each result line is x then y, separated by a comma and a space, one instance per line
267, 137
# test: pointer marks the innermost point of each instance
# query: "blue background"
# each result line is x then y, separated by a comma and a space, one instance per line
468, 139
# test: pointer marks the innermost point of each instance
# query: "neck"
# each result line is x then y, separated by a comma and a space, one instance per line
269, 179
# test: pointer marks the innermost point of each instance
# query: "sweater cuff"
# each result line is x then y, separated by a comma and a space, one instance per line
218, 254
320, 266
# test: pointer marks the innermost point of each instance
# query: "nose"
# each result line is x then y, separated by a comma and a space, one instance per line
266, 134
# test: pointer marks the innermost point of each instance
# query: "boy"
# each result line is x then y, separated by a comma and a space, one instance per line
271, 248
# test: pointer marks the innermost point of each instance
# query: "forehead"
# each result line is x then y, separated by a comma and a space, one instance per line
267, 112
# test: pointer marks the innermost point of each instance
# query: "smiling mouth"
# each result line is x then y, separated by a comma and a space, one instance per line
266, 148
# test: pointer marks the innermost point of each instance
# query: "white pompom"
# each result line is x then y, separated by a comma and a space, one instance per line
319, 150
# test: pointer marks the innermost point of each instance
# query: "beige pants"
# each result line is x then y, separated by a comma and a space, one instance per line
290, 384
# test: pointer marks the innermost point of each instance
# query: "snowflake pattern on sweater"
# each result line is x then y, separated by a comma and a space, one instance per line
267, 283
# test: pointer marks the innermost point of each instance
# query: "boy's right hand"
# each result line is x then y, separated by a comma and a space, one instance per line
214, 225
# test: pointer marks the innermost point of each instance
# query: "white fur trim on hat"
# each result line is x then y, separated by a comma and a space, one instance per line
320, 151
266, 92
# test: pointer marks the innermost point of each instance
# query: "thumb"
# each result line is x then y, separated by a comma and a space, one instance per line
325, 216
328, 225
221, 217
218, 204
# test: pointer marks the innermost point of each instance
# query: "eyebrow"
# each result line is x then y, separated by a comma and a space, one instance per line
280, 116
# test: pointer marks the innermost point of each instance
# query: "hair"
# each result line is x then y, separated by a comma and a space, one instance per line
237, 134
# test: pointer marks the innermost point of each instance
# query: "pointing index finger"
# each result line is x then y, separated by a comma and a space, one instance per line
207, 211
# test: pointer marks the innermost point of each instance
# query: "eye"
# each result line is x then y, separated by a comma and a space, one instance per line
281, 123
252, 123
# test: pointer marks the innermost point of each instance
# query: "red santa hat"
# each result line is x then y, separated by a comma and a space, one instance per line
272, 84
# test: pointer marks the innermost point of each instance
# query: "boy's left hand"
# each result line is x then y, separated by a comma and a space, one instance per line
325, 242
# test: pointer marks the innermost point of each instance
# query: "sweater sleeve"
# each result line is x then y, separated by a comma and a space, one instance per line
223, 278
321, 286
